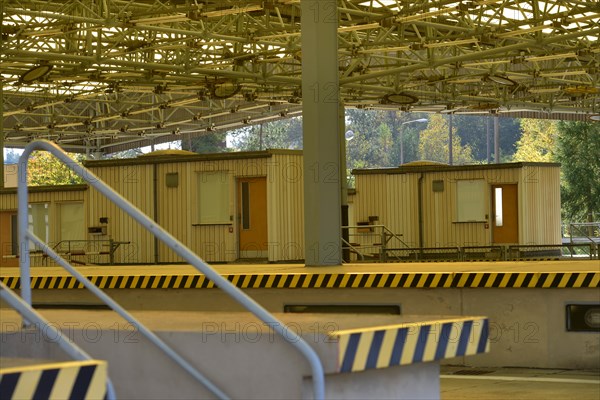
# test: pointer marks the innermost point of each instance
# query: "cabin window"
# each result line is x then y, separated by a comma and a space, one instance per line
213, 197
14, 243
470, 200
38, 223
498, 212
72, 222
245, 205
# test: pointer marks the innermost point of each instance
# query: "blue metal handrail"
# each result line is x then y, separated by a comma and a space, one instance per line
179, 248
27, 312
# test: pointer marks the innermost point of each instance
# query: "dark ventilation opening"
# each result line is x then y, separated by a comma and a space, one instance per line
69, 306
472, 372
583, 317
393, 309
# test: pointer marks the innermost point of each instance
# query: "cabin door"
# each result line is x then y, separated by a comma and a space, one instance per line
252, 217
505, 214
9, 247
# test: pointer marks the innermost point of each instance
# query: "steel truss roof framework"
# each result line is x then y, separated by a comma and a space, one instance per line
109, 75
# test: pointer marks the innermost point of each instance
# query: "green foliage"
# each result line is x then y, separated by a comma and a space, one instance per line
12, 156
473, 129
45, 169
210, 142
538, 141
578, 151
377, 136
131, 153
433, 145
282, 134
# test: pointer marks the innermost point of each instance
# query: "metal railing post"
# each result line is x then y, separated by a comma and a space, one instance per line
179, 248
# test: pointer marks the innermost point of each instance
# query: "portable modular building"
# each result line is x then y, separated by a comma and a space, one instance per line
437, 205
222, 206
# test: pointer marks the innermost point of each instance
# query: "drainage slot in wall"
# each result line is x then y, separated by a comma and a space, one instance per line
392, 309
472, 372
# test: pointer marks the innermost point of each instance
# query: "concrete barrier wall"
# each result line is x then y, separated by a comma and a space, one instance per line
527, 325
233, 350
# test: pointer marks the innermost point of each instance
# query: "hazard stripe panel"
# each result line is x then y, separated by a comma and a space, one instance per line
411, 343
348, 280
61, 380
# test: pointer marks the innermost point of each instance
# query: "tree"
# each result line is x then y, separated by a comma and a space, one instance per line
281, 134
209, 142
377, 135
578, 149
12, 156
433, 145
538, 141
131, 153
472, 130
45, 169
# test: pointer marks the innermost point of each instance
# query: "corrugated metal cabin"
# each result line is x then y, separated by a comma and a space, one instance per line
437, 205
224, 207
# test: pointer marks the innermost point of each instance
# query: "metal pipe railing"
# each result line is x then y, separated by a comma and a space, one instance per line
27, 312
179, 248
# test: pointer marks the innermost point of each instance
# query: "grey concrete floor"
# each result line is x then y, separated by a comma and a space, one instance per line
459, 383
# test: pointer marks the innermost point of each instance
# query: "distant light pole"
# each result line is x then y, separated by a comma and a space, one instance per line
402, 136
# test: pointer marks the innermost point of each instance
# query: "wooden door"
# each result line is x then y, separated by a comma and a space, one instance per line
8, 239
252, 217
505, 214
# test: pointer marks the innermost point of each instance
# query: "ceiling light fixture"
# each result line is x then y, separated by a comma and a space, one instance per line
595, 117
501, 80
224, 90
36, 73
399, 98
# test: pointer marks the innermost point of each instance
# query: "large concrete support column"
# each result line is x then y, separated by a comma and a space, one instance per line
321, 132
1, 135
344, 182
1, 114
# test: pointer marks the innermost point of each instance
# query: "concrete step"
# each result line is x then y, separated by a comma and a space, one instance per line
364, 356
31, 378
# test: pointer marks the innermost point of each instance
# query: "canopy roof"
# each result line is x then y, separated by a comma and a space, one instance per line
116, 74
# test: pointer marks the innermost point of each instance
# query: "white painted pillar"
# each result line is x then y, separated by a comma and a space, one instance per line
320, 108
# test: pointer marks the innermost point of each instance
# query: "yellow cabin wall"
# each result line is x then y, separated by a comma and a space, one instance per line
285, 212
540, 222
393, 198
134, 183
178, 213
54, 197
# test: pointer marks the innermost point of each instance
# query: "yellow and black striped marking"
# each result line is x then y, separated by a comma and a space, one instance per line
411, 343
63, 380
342, 280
